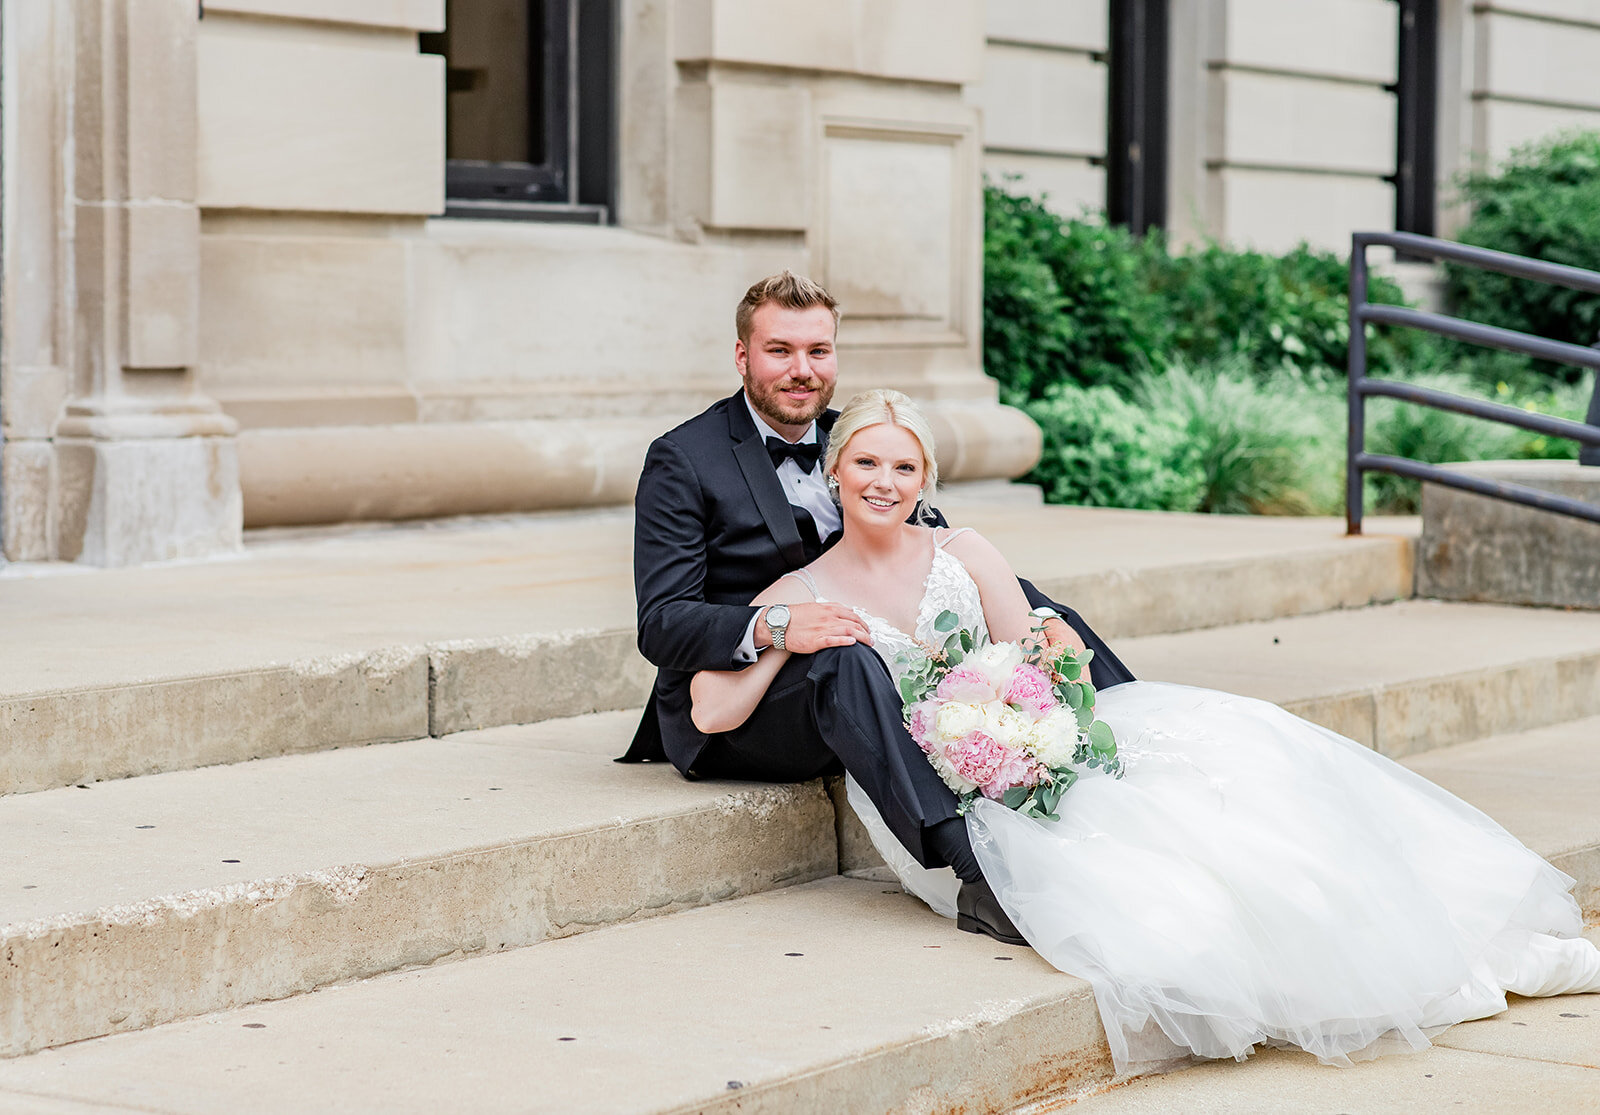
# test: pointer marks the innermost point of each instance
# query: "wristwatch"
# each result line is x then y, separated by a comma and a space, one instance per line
778, 623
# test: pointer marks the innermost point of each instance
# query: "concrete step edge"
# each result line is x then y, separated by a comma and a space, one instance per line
1423, 714
135, 965
403, 691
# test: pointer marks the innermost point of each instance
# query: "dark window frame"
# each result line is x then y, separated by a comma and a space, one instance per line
571, 52
1416, 91
1136, 131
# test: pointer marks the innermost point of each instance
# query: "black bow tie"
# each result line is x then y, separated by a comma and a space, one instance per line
803, 455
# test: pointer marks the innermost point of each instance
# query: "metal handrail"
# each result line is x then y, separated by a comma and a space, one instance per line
1359, 462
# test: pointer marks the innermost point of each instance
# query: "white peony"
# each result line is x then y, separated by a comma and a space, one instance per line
957, 719
1055, 737
1006, 724
996, 660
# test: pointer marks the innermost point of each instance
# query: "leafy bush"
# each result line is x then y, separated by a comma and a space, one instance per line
1102, 450
1063, 301
1219, 438
1214, 438
1544, 202
1213, 380
1077, 301
1254, 447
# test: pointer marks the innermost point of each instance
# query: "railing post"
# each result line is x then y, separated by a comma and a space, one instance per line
1590, 454
1355, 442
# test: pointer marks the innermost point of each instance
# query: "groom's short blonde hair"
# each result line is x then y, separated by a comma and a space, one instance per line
786, 289
878, 407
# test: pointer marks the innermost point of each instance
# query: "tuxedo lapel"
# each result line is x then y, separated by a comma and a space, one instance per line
751, 452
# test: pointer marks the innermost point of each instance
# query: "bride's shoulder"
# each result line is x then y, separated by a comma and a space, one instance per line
975, 551
962, 541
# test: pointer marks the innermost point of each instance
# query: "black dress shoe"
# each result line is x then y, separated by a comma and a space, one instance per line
978, 911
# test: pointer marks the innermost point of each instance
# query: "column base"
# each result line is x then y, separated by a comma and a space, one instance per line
122, 502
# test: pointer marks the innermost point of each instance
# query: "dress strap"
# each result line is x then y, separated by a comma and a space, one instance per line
804, 577
957, 533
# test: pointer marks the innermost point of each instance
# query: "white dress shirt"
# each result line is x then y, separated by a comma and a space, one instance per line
803, 489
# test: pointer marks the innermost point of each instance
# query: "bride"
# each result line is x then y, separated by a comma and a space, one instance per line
1253, 878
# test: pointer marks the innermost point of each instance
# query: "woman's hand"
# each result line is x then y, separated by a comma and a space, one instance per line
1057, 633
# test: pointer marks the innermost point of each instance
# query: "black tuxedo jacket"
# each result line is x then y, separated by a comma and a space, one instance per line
712, 527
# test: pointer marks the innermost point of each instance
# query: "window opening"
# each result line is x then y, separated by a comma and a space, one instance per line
528, 109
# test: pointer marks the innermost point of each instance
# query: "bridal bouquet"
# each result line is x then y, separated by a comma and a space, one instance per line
1011, 721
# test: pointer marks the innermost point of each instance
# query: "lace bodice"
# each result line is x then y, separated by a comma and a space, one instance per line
949, 587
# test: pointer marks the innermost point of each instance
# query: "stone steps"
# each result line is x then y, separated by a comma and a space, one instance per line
839, 994
309, 643
143, 900
1402, 678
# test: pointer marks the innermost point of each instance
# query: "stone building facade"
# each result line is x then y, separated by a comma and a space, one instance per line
307, 261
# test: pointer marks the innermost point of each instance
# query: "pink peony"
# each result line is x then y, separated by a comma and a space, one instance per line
1016, 770
1030, 691
921, 722
964, 683
976, 757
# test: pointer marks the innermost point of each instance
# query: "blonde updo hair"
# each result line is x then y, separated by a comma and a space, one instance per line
878, 407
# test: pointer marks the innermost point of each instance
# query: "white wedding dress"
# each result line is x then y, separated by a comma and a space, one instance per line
1255, 878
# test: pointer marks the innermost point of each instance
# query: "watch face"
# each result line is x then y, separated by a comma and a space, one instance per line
777, 616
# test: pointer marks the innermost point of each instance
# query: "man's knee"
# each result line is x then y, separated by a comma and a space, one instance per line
856, 661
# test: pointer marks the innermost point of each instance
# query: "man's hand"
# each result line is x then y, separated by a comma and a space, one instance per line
814, 626
1057, 632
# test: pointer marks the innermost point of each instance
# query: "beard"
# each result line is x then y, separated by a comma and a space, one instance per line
770, 403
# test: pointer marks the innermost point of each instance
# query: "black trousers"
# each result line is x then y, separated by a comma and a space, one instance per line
839, 708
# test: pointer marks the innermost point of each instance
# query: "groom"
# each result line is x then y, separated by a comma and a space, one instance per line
730, 501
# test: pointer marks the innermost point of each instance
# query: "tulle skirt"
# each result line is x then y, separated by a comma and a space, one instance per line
1255, 878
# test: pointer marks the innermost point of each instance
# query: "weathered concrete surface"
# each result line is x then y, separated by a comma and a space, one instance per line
139, 901
365, 860
118, 731
122, 672
1403, 678
1475, 548
838, 996
522, 679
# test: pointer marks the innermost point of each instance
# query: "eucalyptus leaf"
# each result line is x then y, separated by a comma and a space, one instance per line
1101, 739
1086, 657
946, 621
1085, 716
1074, 697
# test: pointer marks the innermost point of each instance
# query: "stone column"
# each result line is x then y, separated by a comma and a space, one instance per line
145, 466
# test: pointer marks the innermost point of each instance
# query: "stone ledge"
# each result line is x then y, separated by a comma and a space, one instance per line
401, 632
840, 995
570, 844
1475, 548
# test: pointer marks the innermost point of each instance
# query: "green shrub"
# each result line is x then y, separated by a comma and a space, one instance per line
1254, 446
1063, 301
1543, 202
1102, 450
1209, 439
1278, 312
1074, 300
